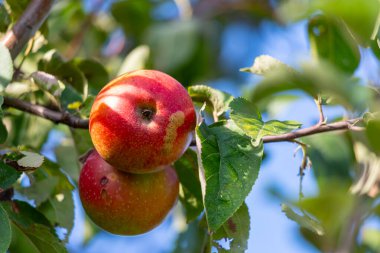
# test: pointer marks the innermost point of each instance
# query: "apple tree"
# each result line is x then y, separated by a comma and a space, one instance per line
56, 56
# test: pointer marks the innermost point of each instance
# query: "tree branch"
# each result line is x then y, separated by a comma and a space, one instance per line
25, 28
41, 111
341, 125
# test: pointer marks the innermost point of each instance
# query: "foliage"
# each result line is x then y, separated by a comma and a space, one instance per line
77, 51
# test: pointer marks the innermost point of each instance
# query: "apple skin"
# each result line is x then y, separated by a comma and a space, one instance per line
142, 121
124, 203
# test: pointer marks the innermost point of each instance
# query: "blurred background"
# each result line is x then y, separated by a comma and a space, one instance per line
197, 42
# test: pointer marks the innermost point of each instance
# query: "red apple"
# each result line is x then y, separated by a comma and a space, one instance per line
124, 203
142, 121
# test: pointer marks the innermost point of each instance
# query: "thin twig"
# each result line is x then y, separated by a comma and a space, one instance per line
25, 28
318, 102
44, 112
341, 125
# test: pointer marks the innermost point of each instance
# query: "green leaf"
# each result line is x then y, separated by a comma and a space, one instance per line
191, 240
67, 158
367, 178
59, 209
133, 16
333, 209
41, 239
372, 132
371, 239
162, 38
265, 64
219, 100
6, 70
330, 40
235, 233
67, 72
231, 165
304, 220
30, 159
246, 116
94, 72
85, 107
48, 83
190, 193
136, 59
31, 231
41, 190
8, 175
5, 230
70, 96
82, 140
5, 19
360, 16
332, 160
17, 8
52, 192
28, 130
25, 215
3, 132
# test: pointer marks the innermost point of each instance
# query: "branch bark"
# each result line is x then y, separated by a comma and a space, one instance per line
25, 28
41, 111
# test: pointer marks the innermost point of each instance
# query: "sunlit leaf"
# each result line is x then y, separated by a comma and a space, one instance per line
48, 83
371, 239
233, 235
303, 220
30, 159
231, 165
219, 100
6, 70
136, 59
264, 64
248, 118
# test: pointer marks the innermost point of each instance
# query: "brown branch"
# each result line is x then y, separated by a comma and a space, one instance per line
341, 125
41, 111
25, 28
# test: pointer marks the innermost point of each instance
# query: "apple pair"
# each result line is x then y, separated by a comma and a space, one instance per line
140, 123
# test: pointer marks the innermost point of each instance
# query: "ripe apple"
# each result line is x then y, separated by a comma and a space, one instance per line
142, 121
124, 203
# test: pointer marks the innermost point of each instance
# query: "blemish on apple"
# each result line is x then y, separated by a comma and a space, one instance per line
176, 120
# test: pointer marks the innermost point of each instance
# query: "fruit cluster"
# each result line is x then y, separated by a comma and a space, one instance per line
140, 123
